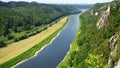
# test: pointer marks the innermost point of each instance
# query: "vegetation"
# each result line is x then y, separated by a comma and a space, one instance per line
29, 53
2, 44
114, 26
92, 48
20, 47
21, 17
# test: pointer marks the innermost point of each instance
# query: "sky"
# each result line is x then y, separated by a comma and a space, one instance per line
64, 1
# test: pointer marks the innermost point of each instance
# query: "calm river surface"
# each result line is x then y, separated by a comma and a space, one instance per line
55, 52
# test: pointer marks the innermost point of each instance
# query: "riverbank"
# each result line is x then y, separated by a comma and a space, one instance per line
73, 47
36, 53
29, 53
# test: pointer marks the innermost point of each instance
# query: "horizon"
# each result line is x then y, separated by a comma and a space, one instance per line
60, 1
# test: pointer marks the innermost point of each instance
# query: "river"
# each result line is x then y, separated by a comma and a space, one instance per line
55, 52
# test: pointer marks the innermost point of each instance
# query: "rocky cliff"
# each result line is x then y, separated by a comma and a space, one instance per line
113, 48
104, 18
113, 41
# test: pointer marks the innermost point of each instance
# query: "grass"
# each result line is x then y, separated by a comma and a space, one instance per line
17, 35
3, 38
24, 49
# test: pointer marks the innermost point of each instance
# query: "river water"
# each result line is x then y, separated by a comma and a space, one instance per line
55, 52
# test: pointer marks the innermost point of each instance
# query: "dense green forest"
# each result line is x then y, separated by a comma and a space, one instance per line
18, 20
93, 44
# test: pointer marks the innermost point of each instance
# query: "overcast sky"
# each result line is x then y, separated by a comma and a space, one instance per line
64, 1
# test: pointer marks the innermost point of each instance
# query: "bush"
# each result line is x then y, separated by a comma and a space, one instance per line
10, 37
2, 44
16, 39
21, 38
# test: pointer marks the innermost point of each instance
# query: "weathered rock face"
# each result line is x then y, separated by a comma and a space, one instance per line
94, 13
113, 41
104, 18
113, 45
113, 49
118, 65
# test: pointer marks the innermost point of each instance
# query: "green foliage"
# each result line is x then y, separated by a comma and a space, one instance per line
92, 43
93, 48
18, 18
29, 53
98, 6
2, 44
10, 37
94, 61
2, 38
22, 17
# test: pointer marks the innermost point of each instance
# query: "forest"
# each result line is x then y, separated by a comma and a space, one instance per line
19, 20
92, 44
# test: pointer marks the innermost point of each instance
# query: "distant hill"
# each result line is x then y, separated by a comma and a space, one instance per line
16, 4
17, 17
84, 6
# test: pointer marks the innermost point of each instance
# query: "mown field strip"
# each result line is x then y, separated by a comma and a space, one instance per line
18, 48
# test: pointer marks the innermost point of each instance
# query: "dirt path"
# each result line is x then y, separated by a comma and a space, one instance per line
17, 48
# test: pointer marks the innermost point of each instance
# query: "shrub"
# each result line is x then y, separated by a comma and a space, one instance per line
10, 37
16, 39
2, 44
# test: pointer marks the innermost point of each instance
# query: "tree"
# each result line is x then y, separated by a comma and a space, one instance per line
94, 61
2, 44
5, 30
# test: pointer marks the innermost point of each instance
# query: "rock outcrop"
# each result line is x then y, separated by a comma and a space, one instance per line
113, 41
113, 45
94, 13
118, 65
104, 18
113, 49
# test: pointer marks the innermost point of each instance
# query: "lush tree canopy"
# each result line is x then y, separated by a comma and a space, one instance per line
16, 17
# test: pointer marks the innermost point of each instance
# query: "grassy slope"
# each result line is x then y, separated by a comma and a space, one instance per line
34, 48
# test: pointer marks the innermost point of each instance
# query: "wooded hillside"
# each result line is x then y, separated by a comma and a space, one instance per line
18, 20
